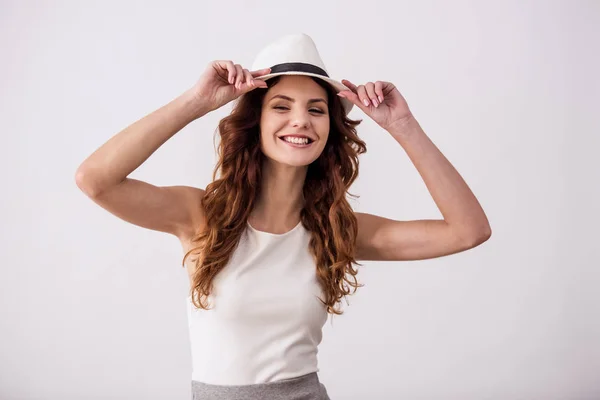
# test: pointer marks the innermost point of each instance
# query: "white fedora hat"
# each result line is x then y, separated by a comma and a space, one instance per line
296, 54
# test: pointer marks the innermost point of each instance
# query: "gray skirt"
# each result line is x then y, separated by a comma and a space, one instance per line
305, 387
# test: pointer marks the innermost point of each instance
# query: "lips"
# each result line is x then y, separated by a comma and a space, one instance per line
310, 139
297, 145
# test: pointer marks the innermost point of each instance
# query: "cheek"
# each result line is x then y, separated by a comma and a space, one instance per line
322, 129
271, 124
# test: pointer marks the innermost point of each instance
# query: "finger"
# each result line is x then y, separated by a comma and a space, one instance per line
239, 76
228, 65
353, 97
349, 84
370, 88
255, 76
260, 72
361, 92
250, 82
379, 91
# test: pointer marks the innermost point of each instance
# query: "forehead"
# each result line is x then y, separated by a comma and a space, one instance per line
297, 86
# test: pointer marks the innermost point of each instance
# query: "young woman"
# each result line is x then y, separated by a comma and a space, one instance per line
269, 244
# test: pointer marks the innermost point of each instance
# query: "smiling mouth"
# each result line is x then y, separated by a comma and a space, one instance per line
299, 145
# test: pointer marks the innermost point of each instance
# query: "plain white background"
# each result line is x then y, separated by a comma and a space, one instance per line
94, 308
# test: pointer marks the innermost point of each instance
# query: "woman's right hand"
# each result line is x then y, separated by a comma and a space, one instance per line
223, 81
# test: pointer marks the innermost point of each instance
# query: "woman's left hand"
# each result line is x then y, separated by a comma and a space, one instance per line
379, 100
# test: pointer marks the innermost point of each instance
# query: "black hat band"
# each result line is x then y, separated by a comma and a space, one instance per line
298, 67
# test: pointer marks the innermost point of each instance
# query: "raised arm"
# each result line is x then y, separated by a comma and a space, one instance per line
103, 176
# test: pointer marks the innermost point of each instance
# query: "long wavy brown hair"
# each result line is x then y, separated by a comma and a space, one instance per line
326, 214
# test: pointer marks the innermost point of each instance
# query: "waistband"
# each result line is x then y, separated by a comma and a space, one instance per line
305, 387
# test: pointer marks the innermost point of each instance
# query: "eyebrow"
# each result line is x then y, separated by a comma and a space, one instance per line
292, 100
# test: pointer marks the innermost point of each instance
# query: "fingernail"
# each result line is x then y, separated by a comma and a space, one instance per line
380, 99
341, 95
366, 102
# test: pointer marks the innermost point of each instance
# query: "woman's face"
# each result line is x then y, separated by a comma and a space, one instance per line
296, 105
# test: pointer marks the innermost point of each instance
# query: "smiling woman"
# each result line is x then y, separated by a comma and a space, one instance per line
296, 145
295, 107
271, 244
287, 157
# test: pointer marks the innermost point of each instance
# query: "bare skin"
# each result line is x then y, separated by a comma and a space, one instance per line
278, 208
103, 176
284, 171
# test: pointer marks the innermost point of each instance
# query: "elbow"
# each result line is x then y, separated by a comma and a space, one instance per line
486, 232
85, 183
475, 237
482, 236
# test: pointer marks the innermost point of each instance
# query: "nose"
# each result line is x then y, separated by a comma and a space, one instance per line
299, 124
300, 119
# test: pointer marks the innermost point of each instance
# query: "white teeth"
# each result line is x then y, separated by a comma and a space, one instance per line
296, 140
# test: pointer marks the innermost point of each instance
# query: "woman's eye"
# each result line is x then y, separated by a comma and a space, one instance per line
312, 109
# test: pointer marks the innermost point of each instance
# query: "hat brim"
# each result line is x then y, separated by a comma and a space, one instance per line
338, 86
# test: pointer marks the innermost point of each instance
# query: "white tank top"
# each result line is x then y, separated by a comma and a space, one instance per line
265, 321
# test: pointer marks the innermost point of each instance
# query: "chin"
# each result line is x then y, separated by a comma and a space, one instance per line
295, 162
292, 161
